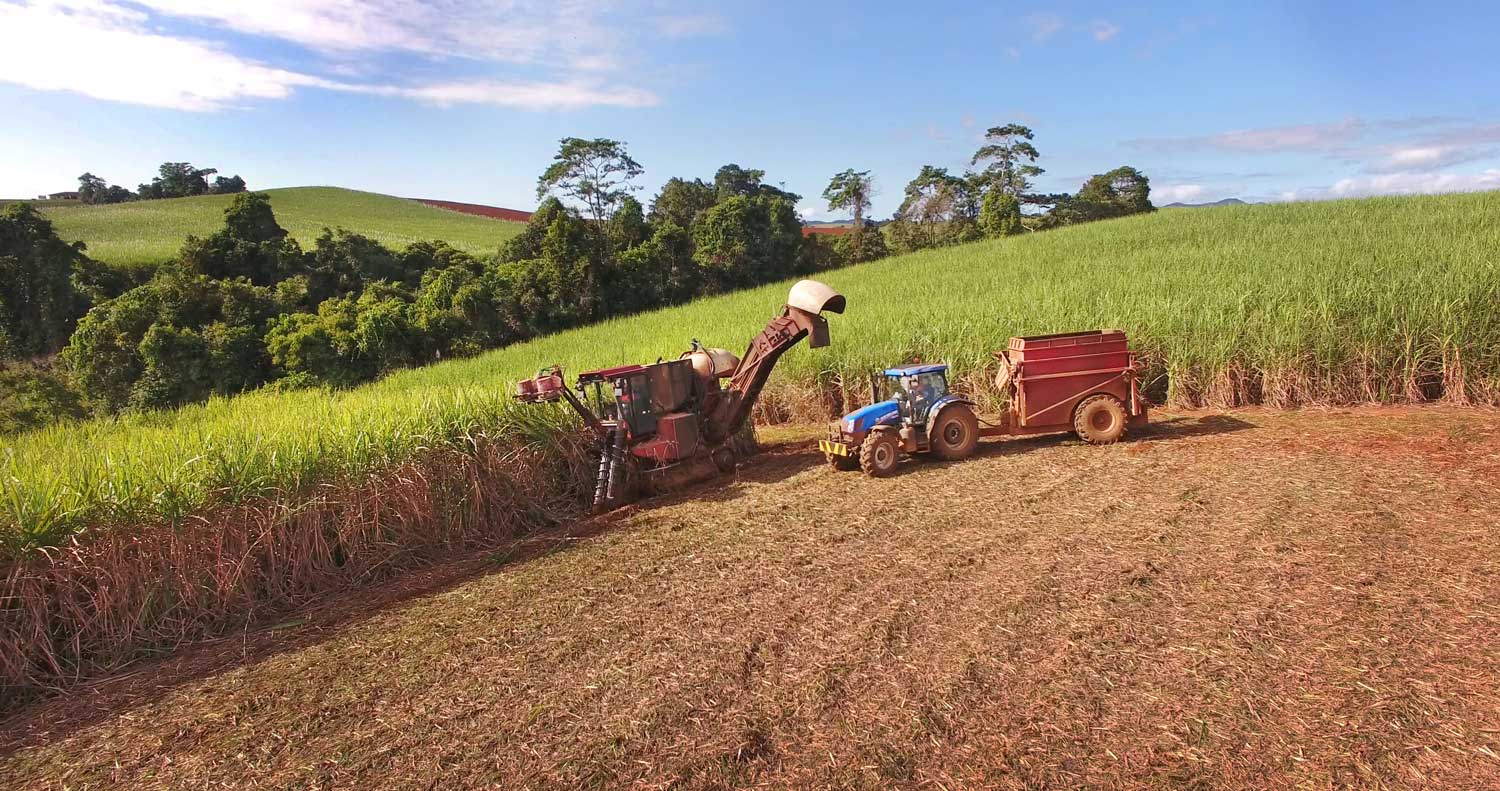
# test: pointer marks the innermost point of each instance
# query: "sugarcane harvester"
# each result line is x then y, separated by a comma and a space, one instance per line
663, 425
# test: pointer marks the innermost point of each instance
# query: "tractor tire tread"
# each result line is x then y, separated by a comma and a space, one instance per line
970, 441
869, 454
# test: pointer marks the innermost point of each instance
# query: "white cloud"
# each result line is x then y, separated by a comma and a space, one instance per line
105, 52
117, 53
813, 211
1012, 52
1304, 137
1400, 184
1044, 26
530, 96
1425, 157
518, 31
1103, 30
1177, 193
1317, 138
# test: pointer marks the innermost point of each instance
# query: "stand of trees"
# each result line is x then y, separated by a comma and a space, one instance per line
247, 306
940, 208
173, 180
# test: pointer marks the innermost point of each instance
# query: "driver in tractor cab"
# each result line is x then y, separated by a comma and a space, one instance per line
927, 392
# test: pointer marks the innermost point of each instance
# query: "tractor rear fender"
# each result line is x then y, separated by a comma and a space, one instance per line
945, 402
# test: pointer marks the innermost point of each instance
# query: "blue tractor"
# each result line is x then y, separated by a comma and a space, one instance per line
913, 412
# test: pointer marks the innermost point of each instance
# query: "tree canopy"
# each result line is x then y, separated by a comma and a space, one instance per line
39, 302
852, 191
1010, 159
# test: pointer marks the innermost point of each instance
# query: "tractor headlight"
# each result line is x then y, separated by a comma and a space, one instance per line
849, 426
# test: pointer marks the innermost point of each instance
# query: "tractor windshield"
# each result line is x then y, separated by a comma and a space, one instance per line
922, 390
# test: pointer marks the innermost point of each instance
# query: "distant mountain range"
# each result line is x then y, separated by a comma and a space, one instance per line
1224, 202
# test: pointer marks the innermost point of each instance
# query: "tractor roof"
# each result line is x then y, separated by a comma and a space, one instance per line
912, 370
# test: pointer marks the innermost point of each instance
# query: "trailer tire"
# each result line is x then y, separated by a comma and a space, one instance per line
955, 433
1099, 419
879, 454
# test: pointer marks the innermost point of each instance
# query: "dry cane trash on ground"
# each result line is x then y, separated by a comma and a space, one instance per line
1241, 600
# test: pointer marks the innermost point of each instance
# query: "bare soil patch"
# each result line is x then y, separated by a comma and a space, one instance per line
1255, 599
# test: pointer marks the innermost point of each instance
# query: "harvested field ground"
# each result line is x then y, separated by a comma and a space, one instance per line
1253, 599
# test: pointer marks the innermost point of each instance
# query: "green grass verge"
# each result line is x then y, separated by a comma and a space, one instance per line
145, 233
1379, 299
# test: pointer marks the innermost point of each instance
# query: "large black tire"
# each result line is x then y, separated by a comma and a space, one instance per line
955, 433
880, 454
1099, 419
724, 458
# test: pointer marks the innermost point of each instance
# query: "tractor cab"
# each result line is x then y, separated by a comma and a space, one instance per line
915, 389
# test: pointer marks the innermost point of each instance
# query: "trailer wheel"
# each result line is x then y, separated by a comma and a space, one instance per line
879, 454
955, 435
1099, 419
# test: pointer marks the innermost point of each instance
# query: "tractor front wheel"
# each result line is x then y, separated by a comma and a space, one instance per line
1100, 420
879, 454
955, 433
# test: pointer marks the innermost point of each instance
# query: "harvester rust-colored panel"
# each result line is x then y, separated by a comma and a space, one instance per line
680, 429
671, 384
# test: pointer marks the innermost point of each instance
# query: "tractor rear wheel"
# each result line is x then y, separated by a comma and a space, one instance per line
955, 433
879, 454
1099, 419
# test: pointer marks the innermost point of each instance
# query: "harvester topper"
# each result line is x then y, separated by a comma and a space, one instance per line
662, 425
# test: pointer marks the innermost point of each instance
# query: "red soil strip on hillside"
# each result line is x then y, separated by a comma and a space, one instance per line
826, 230
493, 212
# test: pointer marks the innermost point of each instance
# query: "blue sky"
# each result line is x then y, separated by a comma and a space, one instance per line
466, 100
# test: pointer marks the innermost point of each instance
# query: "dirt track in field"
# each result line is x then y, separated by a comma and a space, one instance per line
1306, 600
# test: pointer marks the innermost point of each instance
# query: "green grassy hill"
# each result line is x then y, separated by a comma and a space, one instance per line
144, 233
1387, 299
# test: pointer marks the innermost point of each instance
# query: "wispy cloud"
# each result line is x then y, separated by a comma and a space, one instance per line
1378, 147
1317, 138
1103, 30
560, 53
1177, 193
519, 31
1426, 157
109, 53
1387, 156
1043, 26
1399, 184
530, 96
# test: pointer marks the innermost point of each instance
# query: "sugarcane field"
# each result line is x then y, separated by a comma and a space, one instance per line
1072, 398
